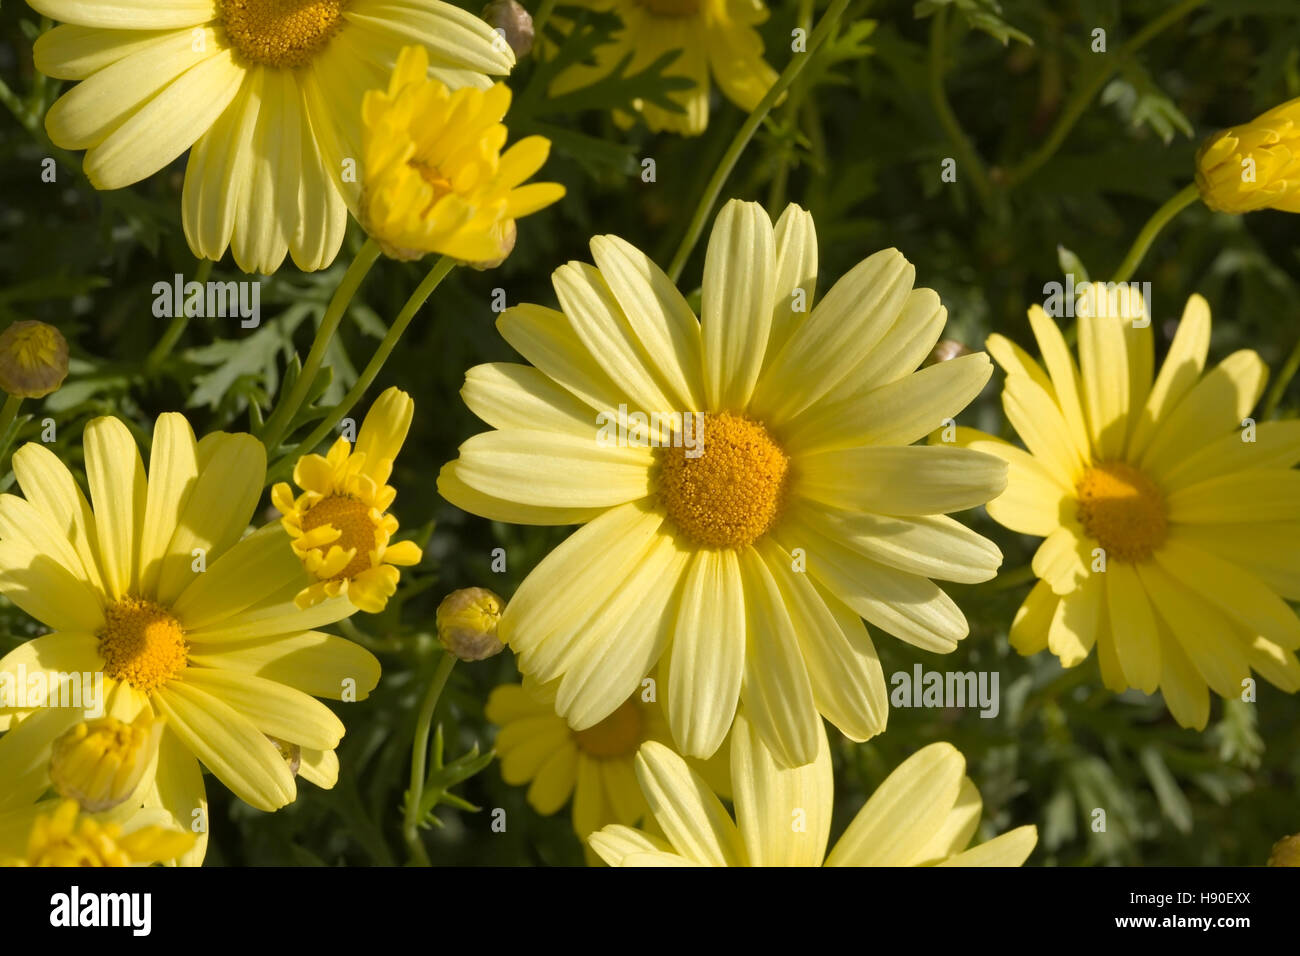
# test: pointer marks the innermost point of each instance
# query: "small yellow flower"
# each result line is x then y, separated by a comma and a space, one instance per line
467, 623
1253, 166
33, 359
65, 838
101, 763
1286, 852
339, 524
435, 179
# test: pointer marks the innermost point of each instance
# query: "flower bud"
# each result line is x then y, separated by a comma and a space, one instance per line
33, 359
1255, 165
513, 22
946, 349
1286, 852
100, 763
467, 624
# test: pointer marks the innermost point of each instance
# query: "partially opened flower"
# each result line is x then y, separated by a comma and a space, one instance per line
268, 93
158, 590
33, 359
66, 837
592, 768
925, 813
1170, 518
339, 524
774, 496
436, 179
1255, 165
712, 38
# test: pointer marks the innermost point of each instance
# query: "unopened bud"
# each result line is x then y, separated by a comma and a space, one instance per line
100, 763
467, 624
512, 21
33, 359
945, 350
1286, 852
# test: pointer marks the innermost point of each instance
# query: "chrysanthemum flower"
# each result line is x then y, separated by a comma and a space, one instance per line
925, 813
435, 177
783, 500
157, 590
267, 91
67, 838
1253, 166
339, 525
714, 37
33, 359
594, 767
1170, 520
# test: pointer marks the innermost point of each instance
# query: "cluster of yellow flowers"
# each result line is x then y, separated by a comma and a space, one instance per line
717, 598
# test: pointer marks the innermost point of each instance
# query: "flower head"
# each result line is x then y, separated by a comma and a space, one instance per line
715, 41
154, 584
1286, 852
101, 763
747, 483
68, 838
266, 92
925, 813
467, 623
435, 178
1255, 165
339, 524
33, 359
1163, 505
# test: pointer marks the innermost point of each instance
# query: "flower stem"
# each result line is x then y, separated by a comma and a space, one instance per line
419, 760
1283, 380
1084, 95
827, 25
9, 412
278, 424
1159, 219
970, 159
368, 374
176, 328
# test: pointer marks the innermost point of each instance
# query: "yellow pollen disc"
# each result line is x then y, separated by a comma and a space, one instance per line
352, 518
280, 33
671, 8
618, 735
1122, 510
731, 493
142, 644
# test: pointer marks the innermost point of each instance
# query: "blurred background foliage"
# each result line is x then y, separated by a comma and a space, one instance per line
859, 141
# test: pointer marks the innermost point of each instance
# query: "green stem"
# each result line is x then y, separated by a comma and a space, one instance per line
829, 21
176, 328
419, 760
278, 424
1159, 219
1084, 95
539, 24
970, 160
9, 413
368, 374
1283, 380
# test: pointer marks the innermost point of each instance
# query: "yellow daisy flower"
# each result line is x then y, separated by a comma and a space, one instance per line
781, 500
64, 837
435, 177
339, 524
924, 814
1255, 165
594, 767
1170, 518
715, 38
157, 591
268, 92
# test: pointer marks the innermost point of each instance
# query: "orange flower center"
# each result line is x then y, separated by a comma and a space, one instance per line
280, 33
1122, 510
142, 644
732, 491
618, 735
356, 529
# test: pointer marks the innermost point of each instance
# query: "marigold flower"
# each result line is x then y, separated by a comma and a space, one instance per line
435, 179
